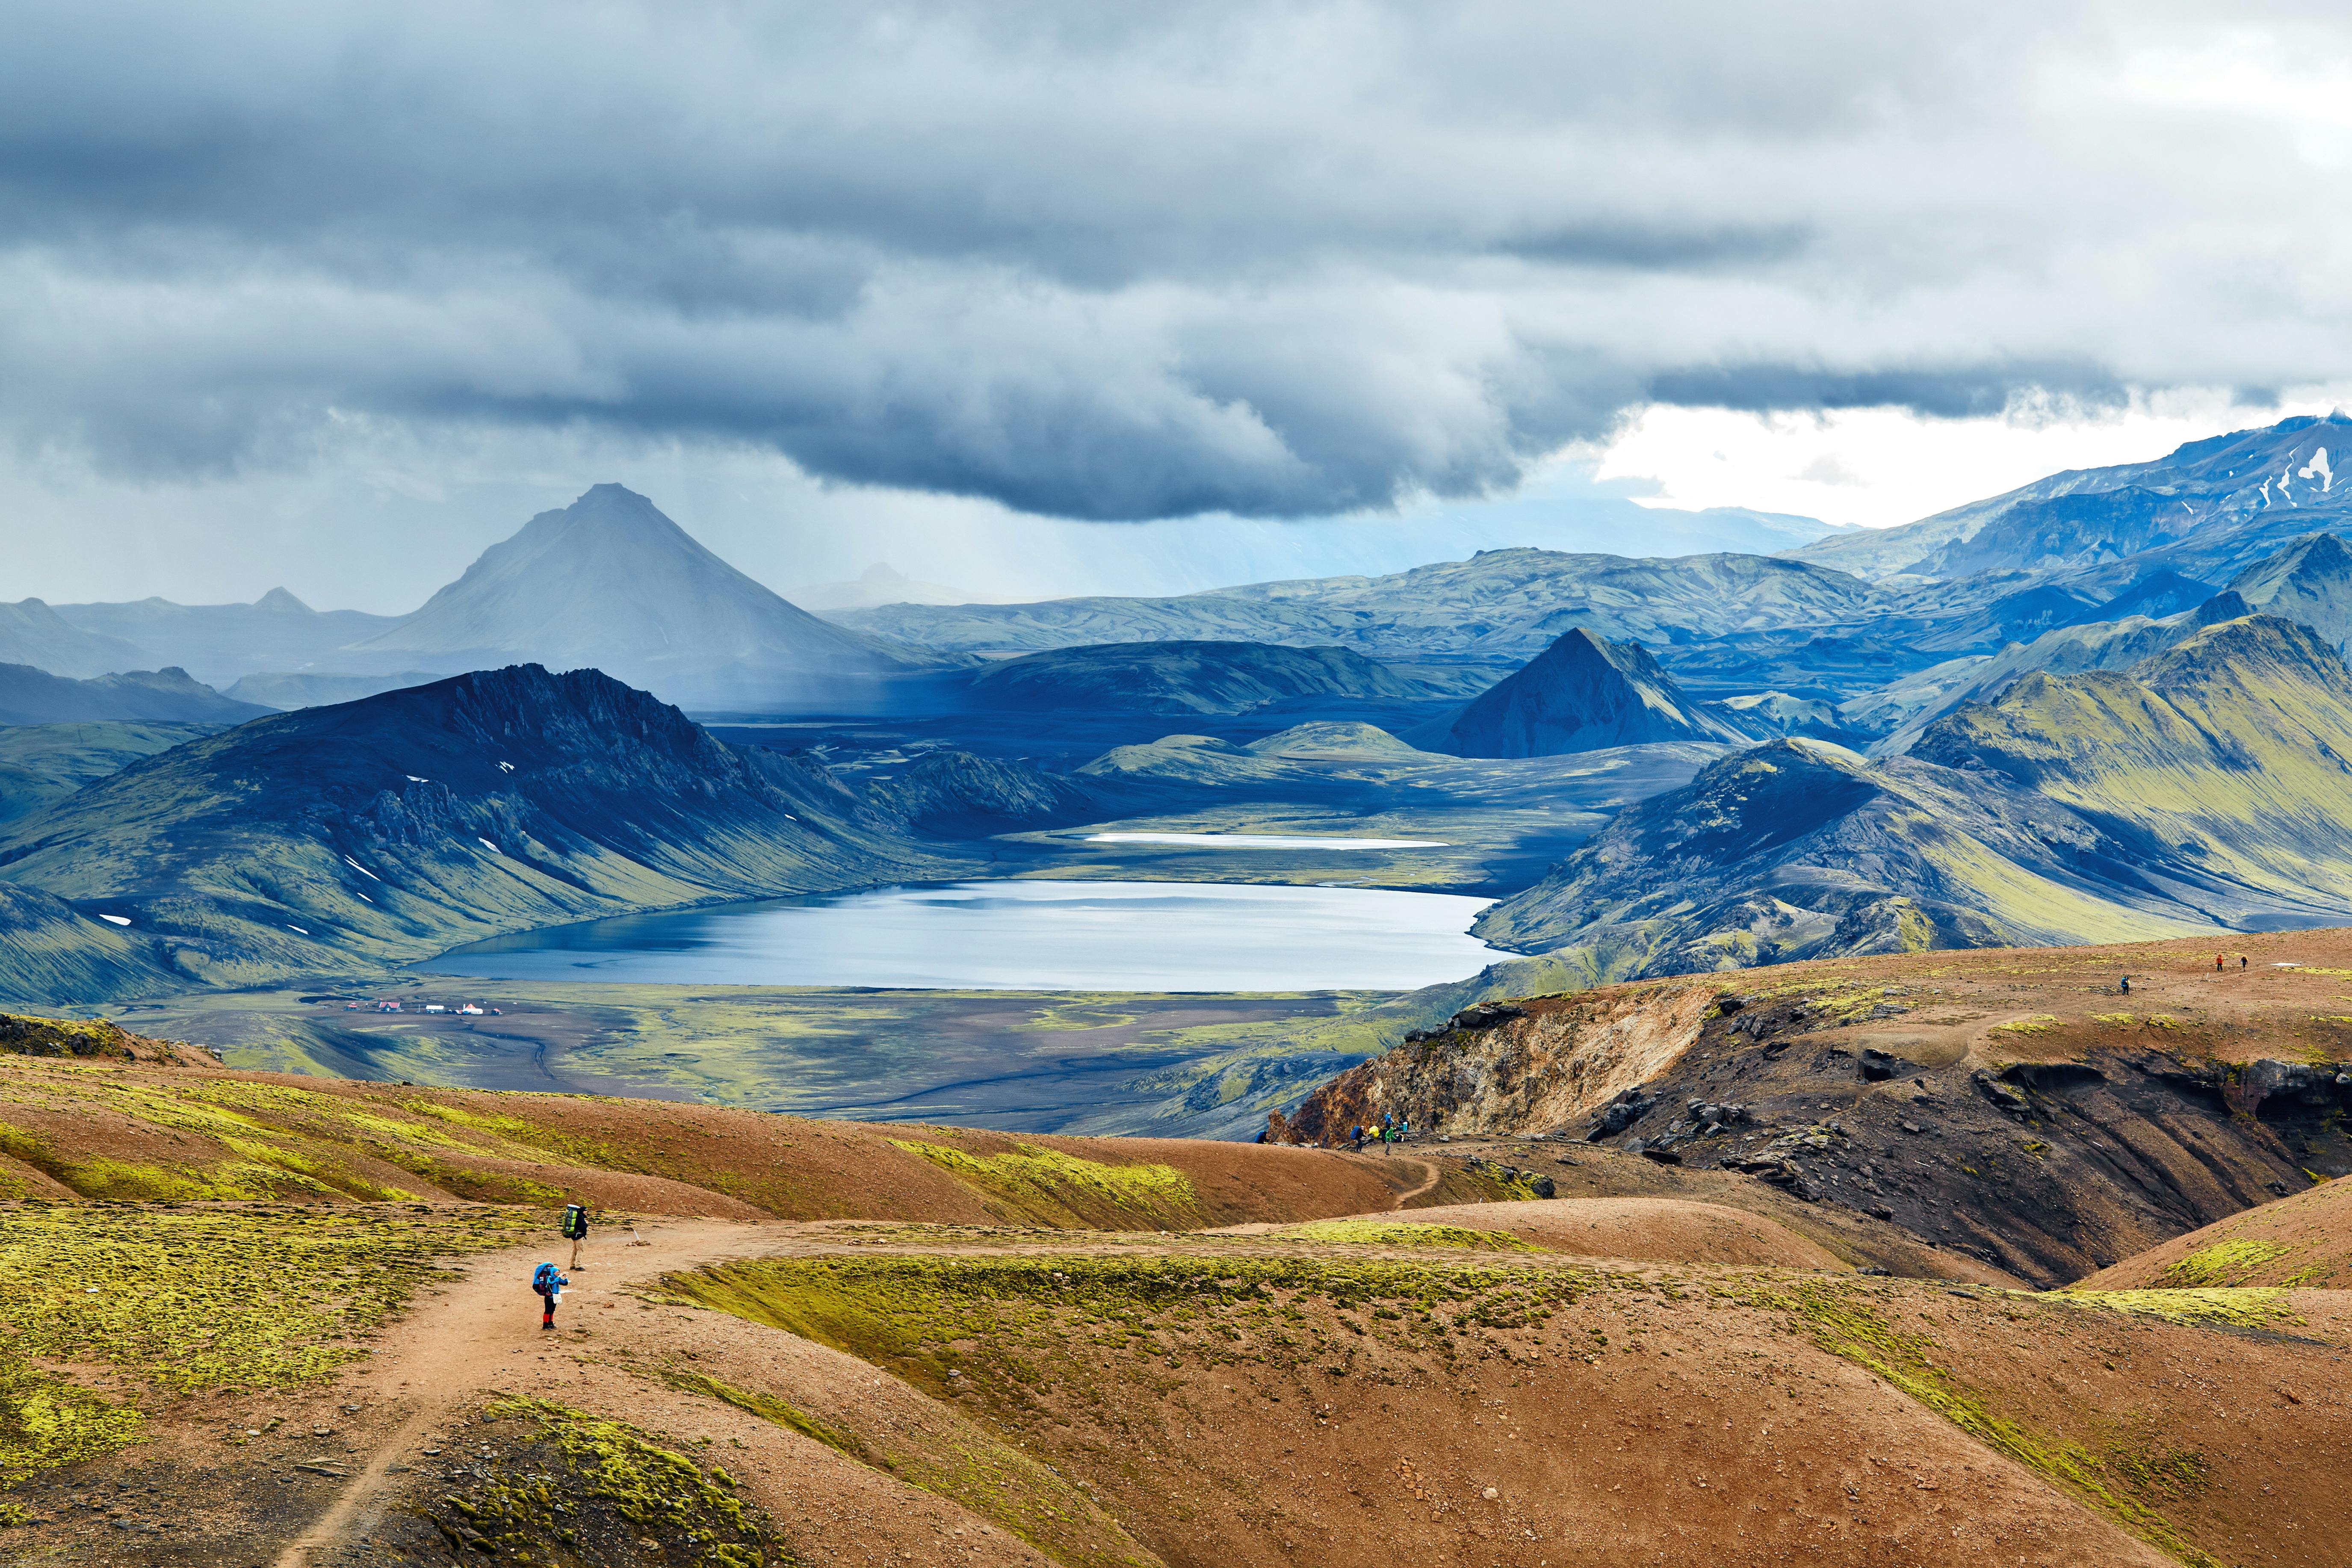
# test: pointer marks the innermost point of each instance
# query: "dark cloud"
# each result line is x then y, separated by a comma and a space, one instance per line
1124, 263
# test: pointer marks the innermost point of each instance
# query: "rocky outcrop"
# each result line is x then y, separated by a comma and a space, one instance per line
1530, 1066
2049, 1167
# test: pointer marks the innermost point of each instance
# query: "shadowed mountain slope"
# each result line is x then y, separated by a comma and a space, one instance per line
961, 796
2203, 789
1500, 604
2229, 755
2309, 582
394, 827
1800, 850
29, 696
1181, 677
1582, 694
609, 581
44, 763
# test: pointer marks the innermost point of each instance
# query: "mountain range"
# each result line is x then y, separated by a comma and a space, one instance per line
2195, 792
2208, 510
608, 583
30, 696
1500, 605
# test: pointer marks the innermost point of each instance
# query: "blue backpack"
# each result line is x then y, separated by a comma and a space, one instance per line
545, 1278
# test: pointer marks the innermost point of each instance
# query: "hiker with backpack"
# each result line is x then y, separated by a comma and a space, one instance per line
549, 1285
575, 1229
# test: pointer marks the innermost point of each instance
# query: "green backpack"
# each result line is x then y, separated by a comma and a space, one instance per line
575, 1221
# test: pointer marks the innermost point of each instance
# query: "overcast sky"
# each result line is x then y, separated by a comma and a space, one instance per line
334, 296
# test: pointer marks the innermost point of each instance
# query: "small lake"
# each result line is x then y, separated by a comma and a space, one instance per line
1019, 936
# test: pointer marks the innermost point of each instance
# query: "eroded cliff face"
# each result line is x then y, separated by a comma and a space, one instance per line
2002, 1104
1542, 1065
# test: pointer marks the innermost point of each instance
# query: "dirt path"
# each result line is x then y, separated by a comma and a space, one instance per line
1434, 1173
457, 1340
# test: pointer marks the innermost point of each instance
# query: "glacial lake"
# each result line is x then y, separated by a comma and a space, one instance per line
1019, 936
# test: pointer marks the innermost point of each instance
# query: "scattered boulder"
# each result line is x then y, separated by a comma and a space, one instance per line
1619, 1113
1487, 1015
2003, 1096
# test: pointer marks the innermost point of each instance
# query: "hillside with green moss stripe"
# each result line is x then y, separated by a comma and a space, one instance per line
2201, 791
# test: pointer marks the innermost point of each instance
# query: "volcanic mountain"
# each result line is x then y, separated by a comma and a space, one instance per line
1581, 694
391, 829
610, 582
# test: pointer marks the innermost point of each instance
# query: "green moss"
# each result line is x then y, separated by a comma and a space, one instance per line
63, 1037
1838, 1321
2223, 1263
191, 1299
1391, 1233
2207, 1308
2167, 1475
959, 1462
766, 1406
1046, 1186
611, 1468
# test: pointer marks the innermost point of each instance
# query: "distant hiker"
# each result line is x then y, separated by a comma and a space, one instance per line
2124, 986
2216, 961
575, 1229
2241, 960
1357, 1134
549, 1284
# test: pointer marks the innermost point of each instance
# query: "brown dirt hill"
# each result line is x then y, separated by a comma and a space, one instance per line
2303, 1240
2011, 1103
1650, 1230
832, 1394
106, 1127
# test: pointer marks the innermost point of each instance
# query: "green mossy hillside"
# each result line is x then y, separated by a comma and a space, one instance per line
176, 1302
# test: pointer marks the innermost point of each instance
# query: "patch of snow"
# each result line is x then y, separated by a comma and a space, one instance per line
115, 919
505, 767
362, 869
2318, 468
489, 846
362, 897
419, 778
291, 926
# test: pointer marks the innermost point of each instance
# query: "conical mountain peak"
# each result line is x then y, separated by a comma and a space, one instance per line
1581, 694
612, 581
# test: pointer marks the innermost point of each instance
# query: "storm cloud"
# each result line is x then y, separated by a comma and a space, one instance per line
1131, 263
